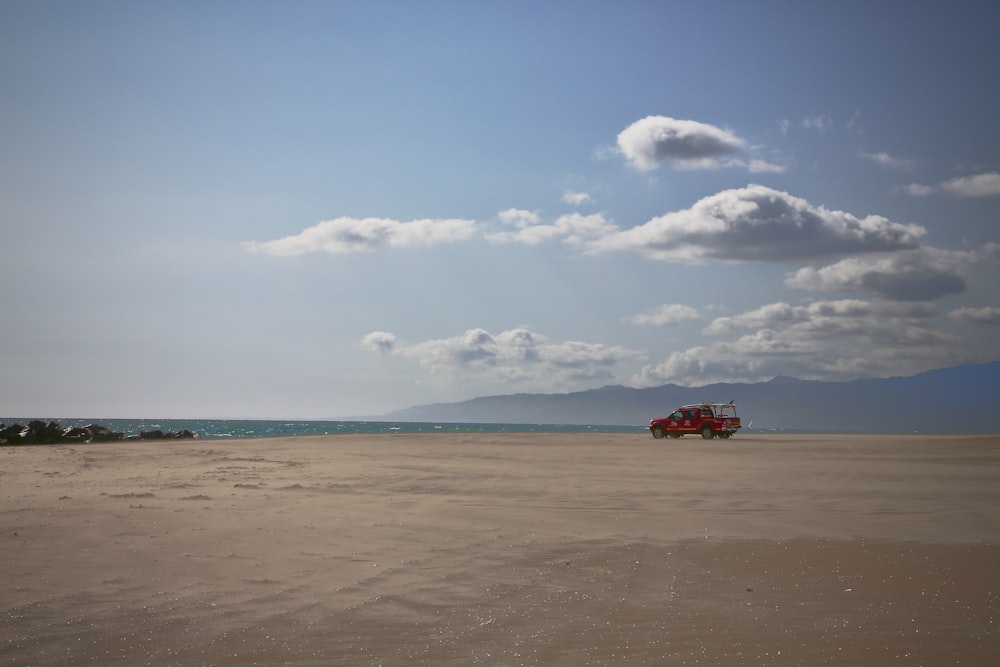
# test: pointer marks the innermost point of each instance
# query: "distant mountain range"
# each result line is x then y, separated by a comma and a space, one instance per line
961, 399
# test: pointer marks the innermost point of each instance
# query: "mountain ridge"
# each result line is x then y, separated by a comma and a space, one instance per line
959, 399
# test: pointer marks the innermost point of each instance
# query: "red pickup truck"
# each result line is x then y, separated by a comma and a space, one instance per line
708, 419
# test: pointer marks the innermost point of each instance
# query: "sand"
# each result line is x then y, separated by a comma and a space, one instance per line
503, 549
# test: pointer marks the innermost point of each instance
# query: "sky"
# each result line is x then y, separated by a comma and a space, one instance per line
323, 210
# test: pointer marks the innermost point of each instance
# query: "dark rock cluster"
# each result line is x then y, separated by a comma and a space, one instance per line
157, 434
38, 432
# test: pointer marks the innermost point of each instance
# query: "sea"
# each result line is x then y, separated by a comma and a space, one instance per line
215, 429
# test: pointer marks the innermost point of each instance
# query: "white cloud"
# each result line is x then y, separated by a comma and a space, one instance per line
914, 275
577, 198
345, 235
820, 123
986, 315
980, 185
831, 340
766, 316
517, 357
667, 314
915, 189
649, 142
763, 167
781, 314
527, 225
575, 227
886, 160
757, 223
518, 218
379, 341
572, 228
528, 235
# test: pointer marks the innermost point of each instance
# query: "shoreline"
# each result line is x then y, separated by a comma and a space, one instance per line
242, 429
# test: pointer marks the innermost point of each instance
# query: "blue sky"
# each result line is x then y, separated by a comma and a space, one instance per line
332, 209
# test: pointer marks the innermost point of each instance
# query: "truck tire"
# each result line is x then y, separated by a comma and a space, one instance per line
657, 432
707, 432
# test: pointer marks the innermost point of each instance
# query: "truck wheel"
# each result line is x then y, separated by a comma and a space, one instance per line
707, 433
657, 432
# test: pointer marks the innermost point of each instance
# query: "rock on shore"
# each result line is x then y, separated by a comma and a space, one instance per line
38, 432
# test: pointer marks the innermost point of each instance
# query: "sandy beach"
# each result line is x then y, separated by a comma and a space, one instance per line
503, 549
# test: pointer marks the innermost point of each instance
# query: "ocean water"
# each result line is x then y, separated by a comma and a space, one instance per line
213, 429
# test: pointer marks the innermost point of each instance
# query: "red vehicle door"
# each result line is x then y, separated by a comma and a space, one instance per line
673, 423
691, 423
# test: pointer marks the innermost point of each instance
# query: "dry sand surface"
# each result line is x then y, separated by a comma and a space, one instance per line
503, 549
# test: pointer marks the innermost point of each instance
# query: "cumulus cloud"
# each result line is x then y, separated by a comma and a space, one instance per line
831, 340
577, 198
527, 235
758, 224
915, 275
886, 160
980, 185
520, 226
781, 314
573, 228
379, 341
517, 356
771, 315
649, 142
668, 314
518, 218
986, 315
576, 227
345, 235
